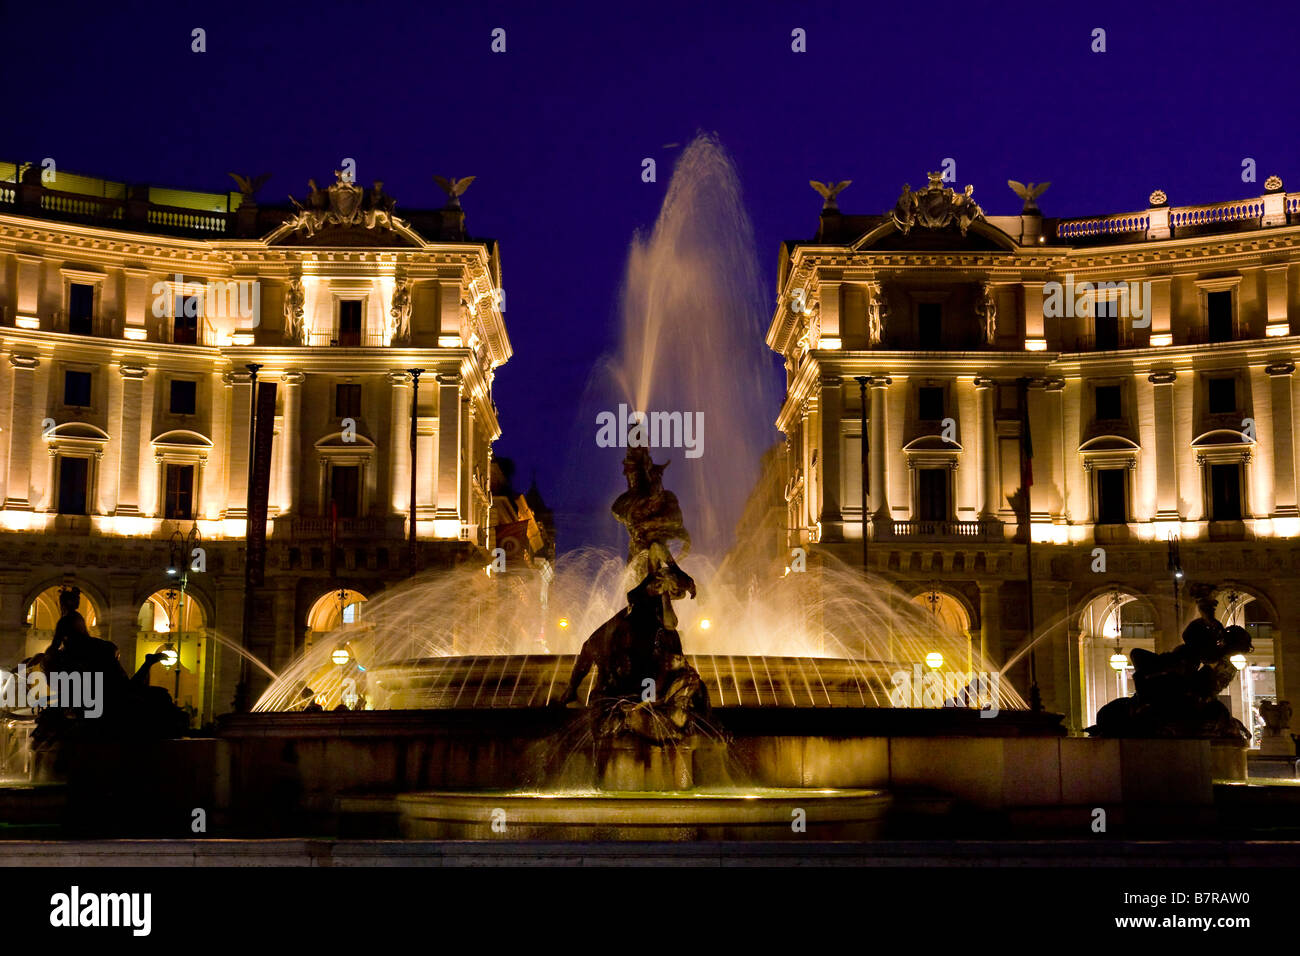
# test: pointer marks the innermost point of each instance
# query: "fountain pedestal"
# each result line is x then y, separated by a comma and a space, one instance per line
629, 763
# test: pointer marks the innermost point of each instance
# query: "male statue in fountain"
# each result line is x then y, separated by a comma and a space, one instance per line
653, 519
639, 647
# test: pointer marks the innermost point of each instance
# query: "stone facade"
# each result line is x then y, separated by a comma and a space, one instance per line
1155, 355
125, 394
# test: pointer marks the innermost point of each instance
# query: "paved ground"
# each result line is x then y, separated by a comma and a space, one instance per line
390, 853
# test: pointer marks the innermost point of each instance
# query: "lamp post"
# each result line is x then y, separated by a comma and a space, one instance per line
415, 374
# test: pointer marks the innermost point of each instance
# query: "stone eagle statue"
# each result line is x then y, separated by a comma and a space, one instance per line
248, 185
1029, 194
454, 188
828, 193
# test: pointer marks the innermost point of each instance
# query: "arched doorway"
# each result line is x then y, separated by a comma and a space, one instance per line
1256, 671
172, 623
333, 609
43, 614
1113, 624
950, 615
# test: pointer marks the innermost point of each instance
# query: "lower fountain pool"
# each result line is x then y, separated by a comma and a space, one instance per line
744, 813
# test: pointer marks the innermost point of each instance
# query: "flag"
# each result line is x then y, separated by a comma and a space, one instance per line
1026, 442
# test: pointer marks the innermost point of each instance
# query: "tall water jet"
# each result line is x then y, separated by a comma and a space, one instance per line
692, 338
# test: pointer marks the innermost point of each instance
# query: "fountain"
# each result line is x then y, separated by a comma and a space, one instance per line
804, 704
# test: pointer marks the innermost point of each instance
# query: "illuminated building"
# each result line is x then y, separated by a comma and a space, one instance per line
1158, 348
128, 317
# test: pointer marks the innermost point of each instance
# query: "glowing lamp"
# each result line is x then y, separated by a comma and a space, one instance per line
169, 655
1118, 661
705, 624
1238, 661
340, 656
564, 622
934, 660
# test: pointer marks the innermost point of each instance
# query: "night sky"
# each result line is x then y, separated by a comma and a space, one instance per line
556, 128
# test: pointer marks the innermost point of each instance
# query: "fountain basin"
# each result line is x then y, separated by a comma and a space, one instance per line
757, 813
534, 680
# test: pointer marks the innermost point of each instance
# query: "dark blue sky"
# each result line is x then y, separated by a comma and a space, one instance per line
555, 129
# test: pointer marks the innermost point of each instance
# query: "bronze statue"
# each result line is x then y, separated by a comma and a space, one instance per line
643, 683
1177, 693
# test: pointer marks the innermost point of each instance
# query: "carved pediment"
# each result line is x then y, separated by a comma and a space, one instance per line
345, 215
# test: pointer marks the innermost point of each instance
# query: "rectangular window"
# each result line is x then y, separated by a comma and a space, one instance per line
932, 494
929, 324
74, 476
185, 319
81, 308
1222, 395
1108, 402
347, 401
350, 322
345, 490
179, 501
1112, 492
1219, 308
1225, 492
1107, 331
76, 389
930, 404
184, 397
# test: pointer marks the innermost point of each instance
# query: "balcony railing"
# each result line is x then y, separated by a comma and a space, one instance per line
1121, 338
369, 527
1161, 221
346, 340
985, 530
913, 342
1206, 334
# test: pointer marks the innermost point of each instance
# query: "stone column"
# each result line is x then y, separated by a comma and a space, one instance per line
399, 459
830, 409
1166, 452
1078, 712
290, 443
467, 458
985, 389
449, 413
1052, 653
13, 617
990, 621
128, 472
23, 426
879, 454
1284, 489
285, 623
123, 617
828, 306
229, 621
241, 386
1032, 317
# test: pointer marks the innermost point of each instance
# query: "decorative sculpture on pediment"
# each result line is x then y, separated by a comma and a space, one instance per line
935, 207
344, 204
295, 299
401, 310
987, 310
877, 313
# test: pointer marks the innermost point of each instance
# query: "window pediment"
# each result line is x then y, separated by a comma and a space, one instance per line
1109, 443
182, 438
1220, 437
